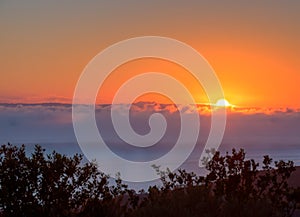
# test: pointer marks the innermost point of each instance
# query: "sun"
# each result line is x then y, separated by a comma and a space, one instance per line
223, 103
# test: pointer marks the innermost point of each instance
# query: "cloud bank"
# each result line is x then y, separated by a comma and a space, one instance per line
246, 127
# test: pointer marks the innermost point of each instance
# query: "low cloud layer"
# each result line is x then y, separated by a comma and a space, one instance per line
246, 127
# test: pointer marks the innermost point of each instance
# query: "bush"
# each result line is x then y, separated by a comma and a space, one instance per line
51, 185
233, 187
57, 185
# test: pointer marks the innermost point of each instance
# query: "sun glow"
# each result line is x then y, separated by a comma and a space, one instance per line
223, 103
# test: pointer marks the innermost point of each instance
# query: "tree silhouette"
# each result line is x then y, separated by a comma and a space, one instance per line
56, 185
49, 185
233, 187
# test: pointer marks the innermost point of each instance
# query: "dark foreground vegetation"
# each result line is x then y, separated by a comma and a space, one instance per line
57, 185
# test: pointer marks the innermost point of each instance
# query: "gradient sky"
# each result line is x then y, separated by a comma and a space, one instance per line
253, 46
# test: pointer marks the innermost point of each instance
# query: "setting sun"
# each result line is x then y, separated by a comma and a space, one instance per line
223, 103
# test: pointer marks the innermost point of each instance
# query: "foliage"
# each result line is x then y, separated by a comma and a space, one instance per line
238, 181
233, 187
57, 185
51, 185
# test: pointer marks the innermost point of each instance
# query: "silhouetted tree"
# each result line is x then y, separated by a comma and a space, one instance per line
238, 181
49, 185
233, 187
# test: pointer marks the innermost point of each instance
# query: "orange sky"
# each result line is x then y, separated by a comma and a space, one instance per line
136, 67
253, 47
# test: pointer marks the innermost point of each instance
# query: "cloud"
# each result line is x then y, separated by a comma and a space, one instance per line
34, 123
52, 123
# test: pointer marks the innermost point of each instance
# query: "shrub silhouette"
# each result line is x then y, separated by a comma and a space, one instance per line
51, 185
239, 182
57, 185
233, 187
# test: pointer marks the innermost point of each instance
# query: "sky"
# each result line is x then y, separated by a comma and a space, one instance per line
253, 46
